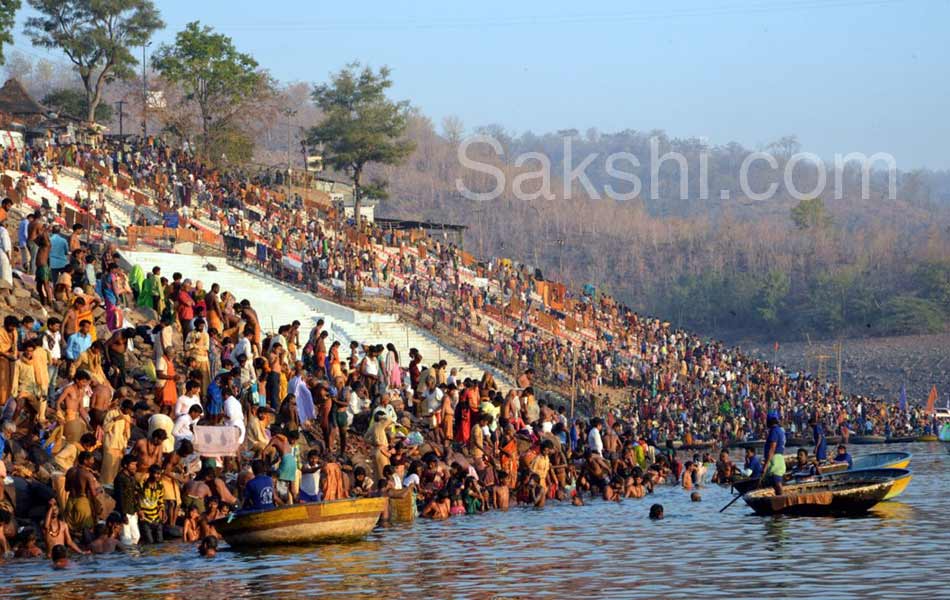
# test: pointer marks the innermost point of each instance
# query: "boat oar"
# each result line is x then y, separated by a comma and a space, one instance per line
731, 502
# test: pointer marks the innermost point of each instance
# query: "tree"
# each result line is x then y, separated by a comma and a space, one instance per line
97, 36
933, 280
772, 293
72, 102
811, 214
214, 75
909, 315
360, 124
453, 129
8, 10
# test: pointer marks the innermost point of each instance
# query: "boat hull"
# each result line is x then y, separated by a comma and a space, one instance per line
906, 439
882, 460
757, 444
877, 460
836, 494
312, 523
867, 439
927, 438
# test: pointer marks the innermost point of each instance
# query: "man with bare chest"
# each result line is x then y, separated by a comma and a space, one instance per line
149, 452
115, 349
99, 404
250, 318
82, 507
75, 416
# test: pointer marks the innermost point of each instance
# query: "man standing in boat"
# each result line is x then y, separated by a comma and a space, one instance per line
774, 454
818, 436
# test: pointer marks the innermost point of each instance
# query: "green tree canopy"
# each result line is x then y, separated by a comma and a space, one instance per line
97, 36
908, 315
933, 280
811, 214
360, 124
73, 102
214, 75
8, 10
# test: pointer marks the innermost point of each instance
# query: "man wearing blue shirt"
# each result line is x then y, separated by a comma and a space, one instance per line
259, 492
774, 453
80, 341
58, 253
818, 437
843, 456
753, 464
22, 239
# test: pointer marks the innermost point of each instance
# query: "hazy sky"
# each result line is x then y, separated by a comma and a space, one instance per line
844, 75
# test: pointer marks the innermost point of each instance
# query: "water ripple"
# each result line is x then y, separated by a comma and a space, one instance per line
600, 550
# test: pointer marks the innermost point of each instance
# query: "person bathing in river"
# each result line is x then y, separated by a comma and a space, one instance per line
725, 469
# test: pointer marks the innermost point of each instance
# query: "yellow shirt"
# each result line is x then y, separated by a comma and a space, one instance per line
24, 381
116, 430
41, 360
541, 465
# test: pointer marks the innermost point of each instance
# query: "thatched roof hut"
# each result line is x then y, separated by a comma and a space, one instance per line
17, 103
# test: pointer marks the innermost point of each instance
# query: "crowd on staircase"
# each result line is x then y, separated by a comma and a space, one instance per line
107, 384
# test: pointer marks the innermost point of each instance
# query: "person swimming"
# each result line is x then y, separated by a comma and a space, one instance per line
208, 547
60, 556
656, 512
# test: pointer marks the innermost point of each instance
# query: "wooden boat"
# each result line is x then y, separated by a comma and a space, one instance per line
797, 442
867, 439
848, 493
882, 460
748, 444
876, 460
699, 445
863, 440
897, 490
900, 439
926, 438
312, 523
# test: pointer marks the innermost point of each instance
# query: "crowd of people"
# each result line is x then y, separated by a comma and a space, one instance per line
101, 403
100, 415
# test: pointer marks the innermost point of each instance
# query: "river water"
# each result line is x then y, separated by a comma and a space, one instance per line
900, 550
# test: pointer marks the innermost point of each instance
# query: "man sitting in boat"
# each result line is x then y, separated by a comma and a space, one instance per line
843, 456
804, 468
259, 492
753, 466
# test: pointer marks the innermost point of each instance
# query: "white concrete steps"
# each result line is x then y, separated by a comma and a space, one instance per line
278, 304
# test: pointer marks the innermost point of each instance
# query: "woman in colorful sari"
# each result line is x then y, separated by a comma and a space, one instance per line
111, 296
153, 292
213, 309
136, 281
335, 369
508, 456
391, 367
84, 312
198, 347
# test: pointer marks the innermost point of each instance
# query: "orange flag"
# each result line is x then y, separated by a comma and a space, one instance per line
932, 401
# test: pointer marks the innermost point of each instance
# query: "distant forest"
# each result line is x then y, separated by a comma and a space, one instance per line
776, 269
